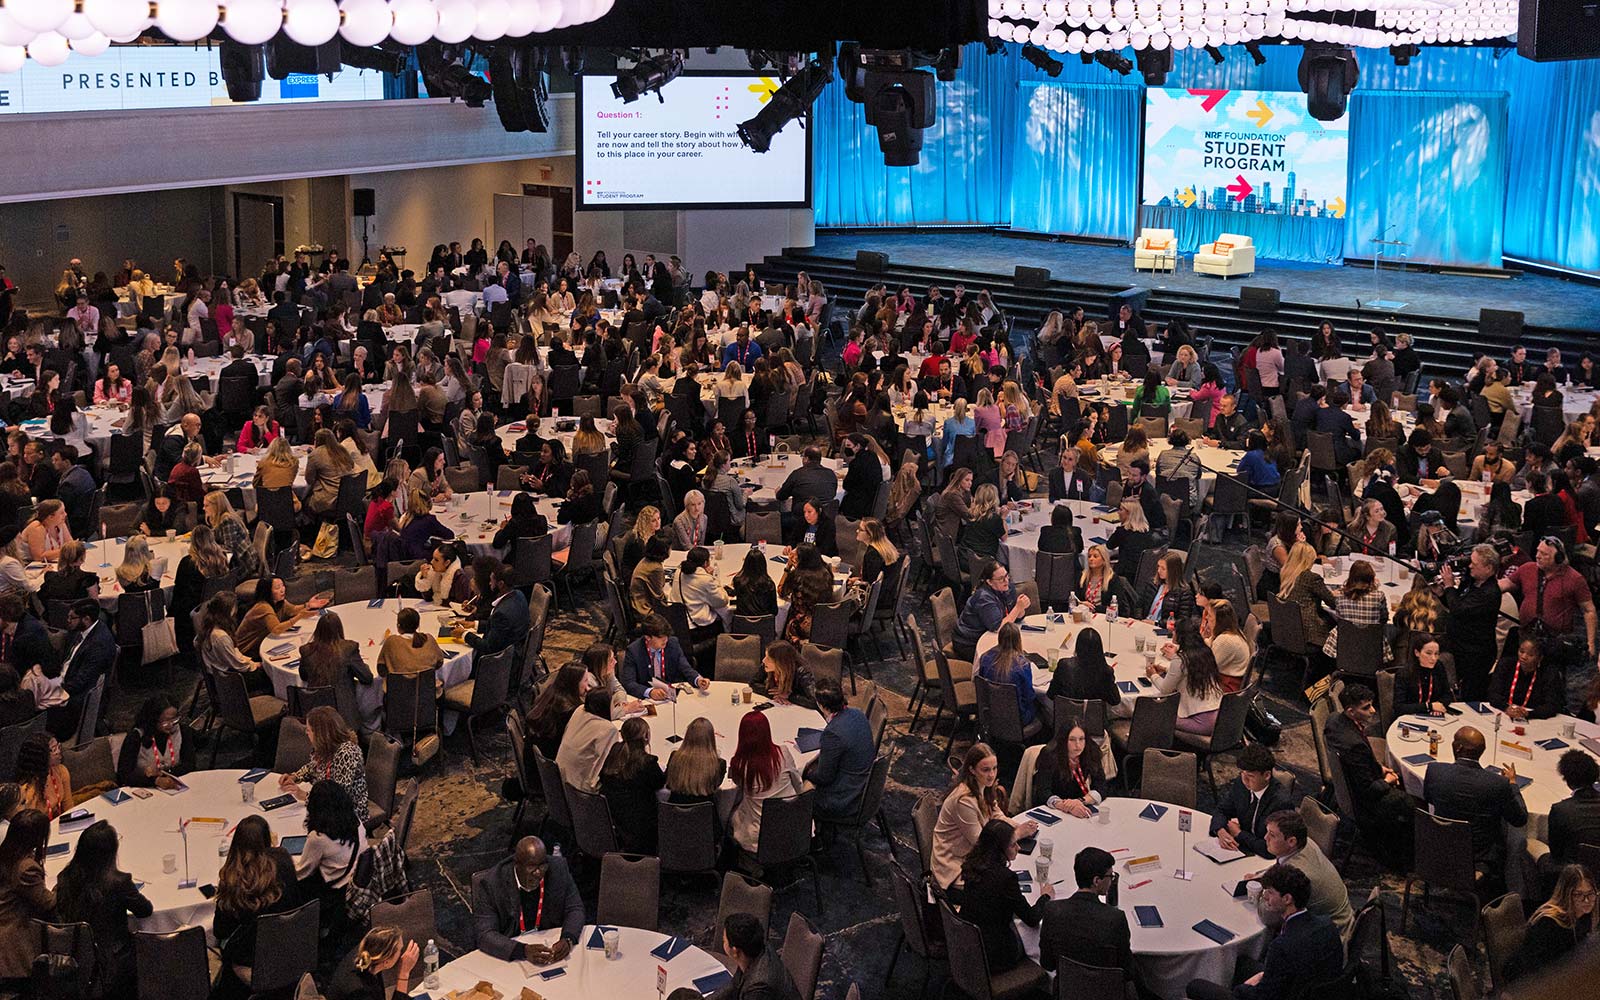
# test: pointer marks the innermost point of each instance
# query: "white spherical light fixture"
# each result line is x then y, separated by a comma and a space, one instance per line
76, 26
12, 33
414, 21
457, 19
116, 18
186, 20
365, 22
12, 57
491, 21
94, 44
524, 14
311, 22
48, 49
252, 22
40, 16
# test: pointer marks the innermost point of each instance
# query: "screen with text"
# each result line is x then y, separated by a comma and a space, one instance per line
684, 152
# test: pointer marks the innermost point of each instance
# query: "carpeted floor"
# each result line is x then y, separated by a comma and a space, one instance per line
1544, 301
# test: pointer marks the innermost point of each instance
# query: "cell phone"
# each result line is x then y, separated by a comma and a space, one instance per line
1146, 682
208, 890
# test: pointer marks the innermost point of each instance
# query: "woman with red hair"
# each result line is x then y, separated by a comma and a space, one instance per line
761, 770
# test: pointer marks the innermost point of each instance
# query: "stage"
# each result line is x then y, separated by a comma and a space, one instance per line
1544, 301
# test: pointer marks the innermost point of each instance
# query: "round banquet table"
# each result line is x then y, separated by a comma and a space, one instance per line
149, 831
1474, 496
211, 368
939, 412
1045, 636
1021, 544
1165, 958
1102, 390
1212, 460
732, 561
476, 517
588, 974
1394, 578
1575, 401
1408, 755
238, 471
769, 472
365, 625
103, 558
715, 704
563, 430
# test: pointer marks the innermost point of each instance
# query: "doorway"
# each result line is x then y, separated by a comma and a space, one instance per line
560, 215
257, 232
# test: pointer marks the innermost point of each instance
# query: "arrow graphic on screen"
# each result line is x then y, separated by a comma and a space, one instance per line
1187, 197
1212, 97
1261, 115
1240, 189
1336, 206
766, 88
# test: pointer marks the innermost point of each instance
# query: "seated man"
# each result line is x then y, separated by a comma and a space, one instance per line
1383, 809
844, 764
655, 662
1465, 790
1082, 926
1240, 820
528, 891
1306, 951
507, 617
1575, 819
1288, 842
758, 971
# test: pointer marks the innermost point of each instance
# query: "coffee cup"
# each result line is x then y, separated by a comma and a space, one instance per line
611, 939
1041, 870
1569, 729
1252, 891
172, 535
169, 863
247, 791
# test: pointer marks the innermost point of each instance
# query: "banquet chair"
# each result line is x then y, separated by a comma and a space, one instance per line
999, 718
924, 818
1322, 825
802, 956
410, 705
740, 894
630, 891
238, 709
354, 583
383, 769
969, 964
1442, 859
945, 616
1089, 713
686, 837
1077, 981
927, 678
286, 948
830, 627
592, 826
1463, 982
957, 694
762, 526
1152, 726
90, 762
519, 764
73, 941
822, 661
927, 943
294, 745
1169, 776
173, 965
463, 478
785, 837
869, 809
1360, 650
739, 658
763, 627
121, 519
486, 692
1227, 735
1504, 927
412, 913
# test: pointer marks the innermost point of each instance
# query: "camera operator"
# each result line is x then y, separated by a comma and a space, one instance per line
1474, 607
1550, 597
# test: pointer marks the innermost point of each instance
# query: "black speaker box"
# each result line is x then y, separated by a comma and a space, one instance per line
1254, 299
1032, 277
366, 202
871, 261
1135, 297
1550, 30
1501, 324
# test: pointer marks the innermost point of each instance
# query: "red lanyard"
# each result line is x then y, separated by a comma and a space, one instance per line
751, 437
172, 750
1077, 775
1427, 699
538, 914
1511, 695
694, 533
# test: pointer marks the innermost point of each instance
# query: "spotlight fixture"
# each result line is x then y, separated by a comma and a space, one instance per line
899, 98
1042, 60
993, 46
1115, 61
1403, 54
1327, 75
445, 74
244, 67
521, 93
787, 103
1254, 48
573, 59
650, 73
1215, 54
1154, 65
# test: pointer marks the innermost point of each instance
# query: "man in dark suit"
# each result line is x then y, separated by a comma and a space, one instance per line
561, 355
91, 654
946, 385
1230, 429
286, 390
1305, 952
1575, 819
24, 641
1138, 484
844, 764
1418, 459
239, 367
1383, 808
1544, 512
863, 478
1240, 820
283, 312
1331, 419
511, 281
655, 661
528, 891
1303, 417
1067, 481
1083, 928
758, 971
508, 615
1488, 800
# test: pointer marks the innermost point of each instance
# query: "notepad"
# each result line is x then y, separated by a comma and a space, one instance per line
75, 819
280, 650
1127, 687
1482, 708
116, 796
1216, 852
267, 805
1418, 759
376, 602
56, 850
808, 740
1153, 812
1553, 743
1044, 816
670, 948
1412, 727
710, 984
1215, 931
597, 937
253, 775
1523, 781
1031, 628
178, 787
1148, 916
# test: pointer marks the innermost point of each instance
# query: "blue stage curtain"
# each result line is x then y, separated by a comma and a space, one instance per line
1279, 237
1075, 162
961, 179
1429, 170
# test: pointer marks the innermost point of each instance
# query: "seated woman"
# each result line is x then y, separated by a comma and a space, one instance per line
1558, 926
1088, 675
409, 651
547, 720
42, 777
784, 677
158, 749
335, 756
690, 527
525, 521
334, 839
261, 431
279, 467
813, 526
1526, 687
761, 770
754, 593
69, 581
269, 615
694, 770
552, 474
1190, 670
1100, 585
974, 799
582, 503
113, 388
136, 573
420, 526
1427, 683
647, 589
986, 526
1070, 775
47, 532
443, 579
360, 974
91, 889
629, 780
24, 893
1060, 535
1219, 625
806, 583
991, 898
1170, 597
329, 654
256, 880
1131, 539
1007, 664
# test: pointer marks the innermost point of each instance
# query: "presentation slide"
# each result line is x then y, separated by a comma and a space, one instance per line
1242, 151
684, 152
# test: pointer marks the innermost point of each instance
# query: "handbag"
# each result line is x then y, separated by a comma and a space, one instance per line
1261, 724
327, 544
159, 640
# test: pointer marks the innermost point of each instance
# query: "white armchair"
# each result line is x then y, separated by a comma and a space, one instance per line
1155, 250
1230, 254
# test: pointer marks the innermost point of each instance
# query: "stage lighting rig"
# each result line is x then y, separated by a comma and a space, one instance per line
445, 74
788, 102
1042, 60
1154, 65
1115, 61
1215, 54
1403, 54
650, 72
1327, 75
899, 97
1256, 55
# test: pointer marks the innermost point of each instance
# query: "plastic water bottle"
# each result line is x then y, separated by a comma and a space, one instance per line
430, 966
1111, 611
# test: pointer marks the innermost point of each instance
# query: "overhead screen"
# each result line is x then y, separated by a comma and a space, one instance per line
684, 152
1242, 151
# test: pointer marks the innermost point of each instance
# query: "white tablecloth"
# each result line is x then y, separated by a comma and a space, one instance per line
1166, 958
149, 831
211, 368
551, 429
1121, 640
1394, 578
1019, 551
1223, 459
771, 471
588, 975
103, 557
715, 704
732, 562
1575, 402
476, 517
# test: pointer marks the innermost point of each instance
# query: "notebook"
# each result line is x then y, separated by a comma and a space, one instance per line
1153, 812
1044, 816
1216, 852
1148, 916
253, 775
75, 819
1553, 743
808, 740
1214, 931
1031, 628
1127, 687
670, 948
597, 939
56, 850
710, 984
376, 602
1418, 759
1523, 781
116, 796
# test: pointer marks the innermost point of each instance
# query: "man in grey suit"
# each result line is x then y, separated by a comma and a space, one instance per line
759, 973
529, 891
1488, 800
844, 763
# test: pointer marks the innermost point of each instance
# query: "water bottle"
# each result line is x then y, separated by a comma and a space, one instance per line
1111, 611
430, 966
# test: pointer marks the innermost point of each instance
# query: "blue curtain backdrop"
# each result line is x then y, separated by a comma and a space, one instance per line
1073, 170
1428, 170
1279, 237
1551, 209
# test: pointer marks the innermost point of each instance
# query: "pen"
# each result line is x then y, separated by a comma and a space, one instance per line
1117, 850
1138, 884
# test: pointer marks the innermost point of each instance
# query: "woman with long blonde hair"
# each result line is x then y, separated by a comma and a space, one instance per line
134, 572
695, 771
